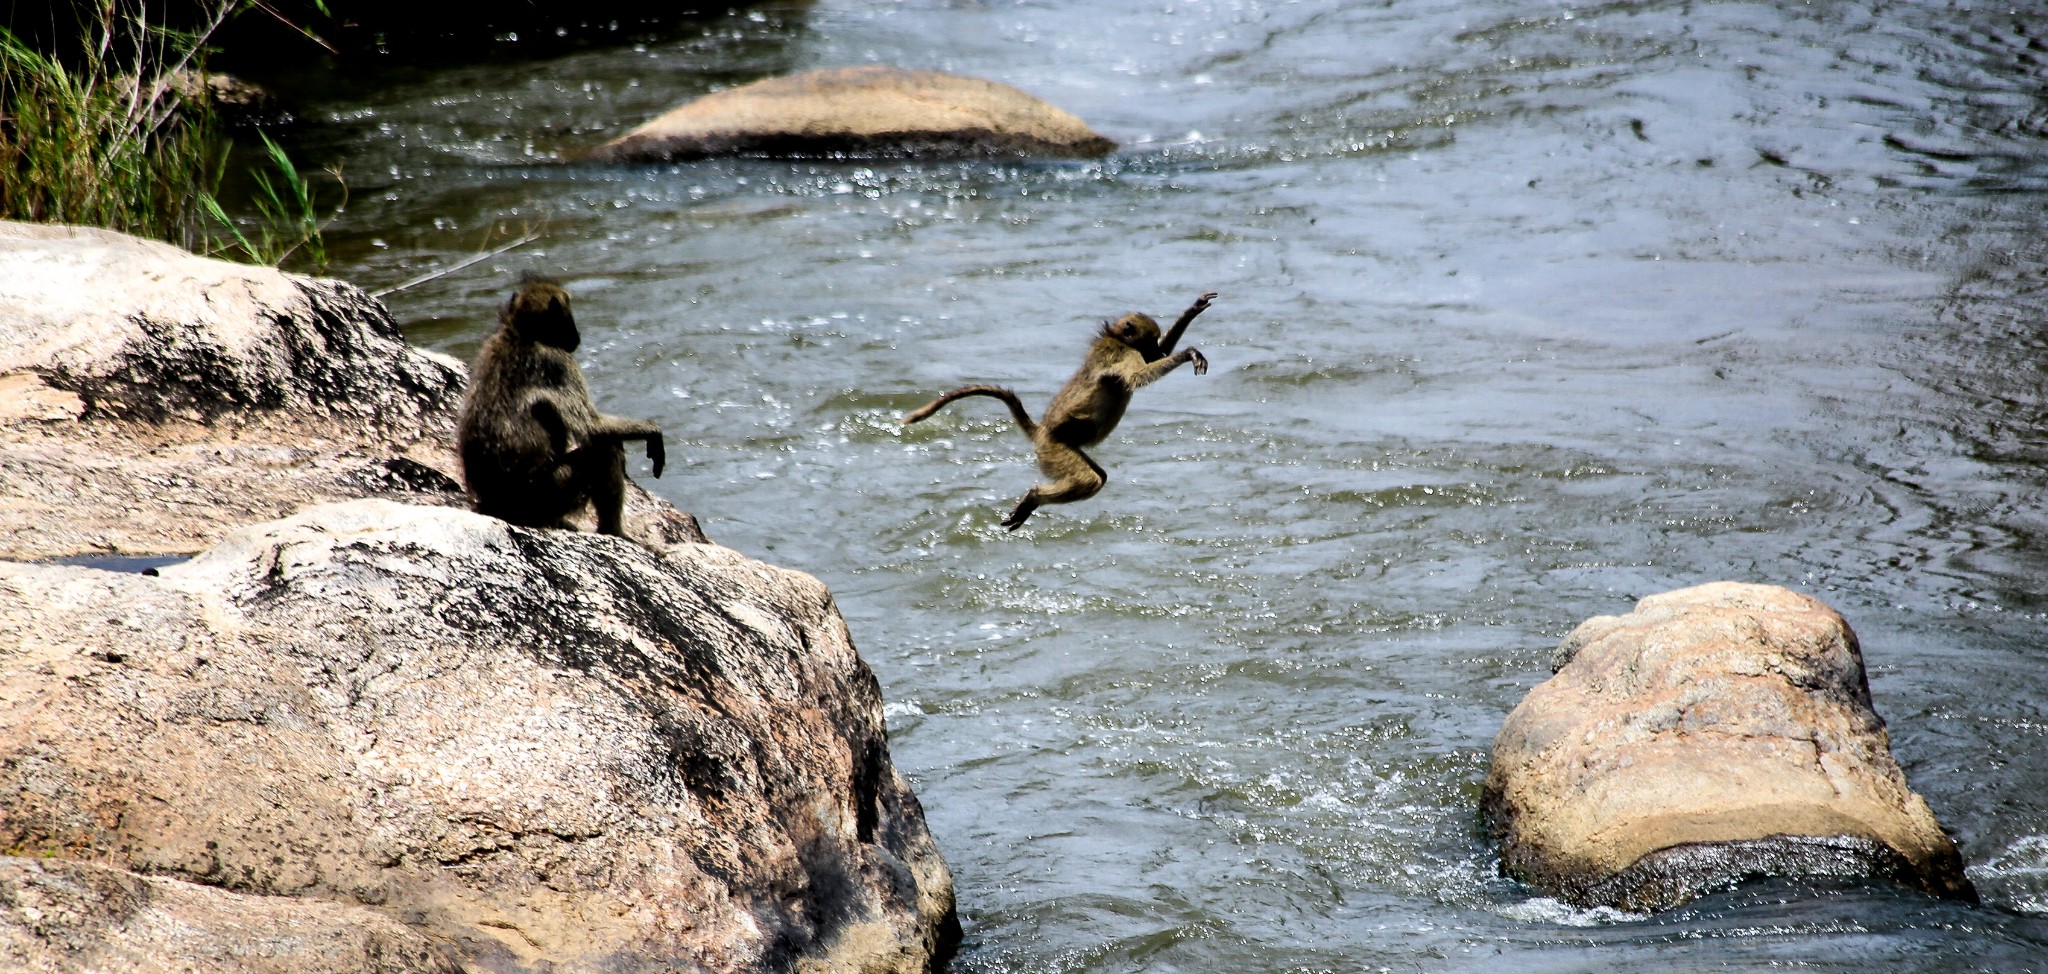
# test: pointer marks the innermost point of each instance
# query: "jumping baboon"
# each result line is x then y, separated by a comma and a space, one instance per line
1129, 353
534, 448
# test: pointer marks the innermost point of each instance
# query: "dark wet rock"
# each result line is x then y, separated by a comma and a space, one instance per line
278, 39
535, 749
362, 31
863, 112
1716, 732
150, 399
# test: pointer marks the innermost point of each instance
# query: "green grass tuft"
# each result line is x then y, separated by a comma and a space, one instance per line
287, 219
122, 135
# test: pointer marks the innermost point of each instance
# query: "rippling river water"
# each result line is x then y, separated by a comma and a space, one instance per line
1528, 309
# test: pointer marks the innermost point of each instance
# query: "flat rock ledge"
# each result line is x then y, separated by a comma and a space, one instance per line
426, 740
1714, 733
859, 113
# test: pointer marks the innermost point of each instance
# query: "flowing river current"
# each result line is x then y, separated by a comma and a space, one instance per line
1528, 309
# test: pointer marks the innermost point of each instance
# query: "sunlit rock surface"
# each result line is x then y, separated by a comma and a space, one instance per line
378, 736
544, 750
138, 328
1715, 732
63, 915
862, 112
151, 399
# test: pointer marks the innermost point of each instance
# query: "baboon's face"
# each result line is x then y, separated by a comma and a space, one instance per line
540, 313
1138, 331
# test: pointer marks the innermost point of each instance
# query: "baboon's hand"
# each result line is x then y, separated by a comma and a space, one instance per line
1202, 303
1201, 364
657, 454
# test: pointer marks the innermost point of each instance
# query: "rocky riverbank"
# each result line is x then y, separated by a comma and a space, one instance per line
365, 729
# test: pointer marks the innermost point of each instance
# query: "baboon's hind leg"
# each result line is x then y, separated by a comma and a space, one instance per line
608, 491
598, 471
1076, 477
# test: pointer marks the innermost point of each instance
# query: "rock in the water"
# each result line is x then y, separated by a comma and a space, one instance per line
234, 100
536, 750
864, 112
386, 737
1716, 732
150, 399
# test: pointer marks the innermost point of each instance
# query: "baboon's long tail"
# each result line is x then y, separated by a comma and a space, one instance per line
994, 392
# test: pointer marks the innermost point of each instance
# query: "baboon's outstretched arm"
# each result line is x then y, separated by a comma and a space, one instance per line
607, 429
1153, 371
620, 429
1173, 334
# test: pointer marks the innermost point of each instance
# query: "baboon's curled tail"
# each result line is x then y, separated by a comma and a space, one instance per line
994, 392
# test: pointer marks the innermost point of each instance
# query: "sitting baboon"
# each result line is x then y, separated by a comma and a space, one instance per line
1127, 354
534, 448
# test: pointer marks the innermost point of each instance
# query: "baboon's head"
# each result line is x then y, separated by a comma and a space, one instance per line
539, 312
1138, 331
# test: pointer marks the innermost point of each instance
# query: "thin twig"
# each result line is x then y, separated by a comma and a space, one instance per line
220, 16
526, 238
315, 38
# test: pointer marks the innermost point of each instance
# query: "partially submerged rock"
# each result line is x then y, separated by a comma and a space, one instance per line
150, 399
863, 112
1715, 732
527, 749
234, 100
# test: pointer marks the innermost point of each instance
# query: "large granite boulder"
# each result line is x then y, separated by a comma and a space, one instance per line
150, 399
1715, 732
381, 737
864, 112
468, 744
